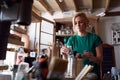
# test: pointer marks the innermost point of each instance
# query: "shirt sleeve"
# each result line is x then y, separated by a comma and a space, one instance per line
98, 41
69, 42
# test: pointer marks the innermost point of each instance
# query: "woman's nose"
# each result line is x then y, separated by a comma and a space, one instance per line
78, 24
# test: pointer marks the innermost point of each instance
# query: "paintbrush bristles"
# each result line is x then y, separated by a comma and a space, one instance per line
58, 65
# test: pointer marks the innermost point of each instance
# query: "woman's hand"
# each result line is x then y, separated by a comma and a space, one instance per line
90, 56
78, 56
64, 51
87, 54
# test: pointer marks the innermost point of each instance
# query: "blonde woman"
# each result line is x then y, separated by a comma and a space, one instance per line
84, 43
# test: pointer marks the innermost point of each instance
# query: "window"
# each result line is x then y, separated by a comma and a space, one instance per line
47, 30
41, 35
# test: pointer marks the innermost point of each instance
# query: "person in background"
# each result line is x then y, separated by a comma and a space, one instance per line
86, 45
20, 59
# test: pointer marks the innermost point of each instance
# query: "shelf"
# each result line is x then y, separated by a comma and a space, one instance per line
64, 20
11, 49
15, 41
69, 19
3, 67
67, 35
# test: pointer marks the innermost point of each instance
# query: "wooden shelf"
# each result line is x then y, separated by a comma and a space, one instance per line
64, 35
69, 19
15, 41
11, 49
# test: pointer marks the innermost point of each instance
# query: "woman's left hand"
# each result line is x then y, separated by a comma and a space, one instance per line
89, 55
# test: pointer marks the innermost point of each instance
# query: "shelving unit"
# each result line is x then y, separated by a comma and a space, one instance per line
108, 58
67, 22
15, 41
64, 22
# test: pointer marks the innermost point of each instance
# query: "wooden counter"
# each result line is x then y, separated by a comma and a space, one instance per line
69, 78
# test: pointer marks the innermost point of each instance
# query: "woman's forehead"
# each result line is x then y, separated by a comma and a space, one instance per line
79, 18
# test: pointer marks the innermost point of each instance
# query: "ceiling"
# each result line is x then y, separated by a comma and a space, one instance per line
91, 7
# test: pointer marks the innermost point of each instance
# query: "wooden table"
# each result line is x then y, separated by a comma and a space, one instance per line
69, 78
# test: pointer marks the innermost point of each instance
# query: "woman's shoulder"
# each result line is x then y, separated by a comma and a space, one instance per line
74, 36
92, 34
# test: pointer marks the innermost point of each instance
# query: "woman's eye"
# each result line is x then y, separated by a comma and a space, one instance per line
75, 23
81, 22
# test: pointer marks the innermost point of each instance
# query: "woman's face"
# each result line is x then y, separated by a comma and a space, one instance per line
80, 24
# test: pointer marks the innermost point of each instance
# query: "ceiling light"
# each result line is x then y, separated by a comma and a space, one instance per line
101, 14
60, 0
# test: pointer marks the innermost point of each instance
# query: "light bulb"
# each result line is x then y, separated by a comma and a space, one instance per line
60, 0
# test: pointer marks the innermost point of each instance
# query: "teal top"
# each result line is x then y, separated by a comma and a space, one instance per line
86, 43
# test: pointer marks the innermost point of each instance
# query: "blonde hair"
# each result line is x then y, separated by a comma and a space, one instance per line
82, 15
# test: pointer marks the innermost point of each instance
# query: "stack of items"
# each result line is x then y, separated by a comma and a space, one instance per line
84, 72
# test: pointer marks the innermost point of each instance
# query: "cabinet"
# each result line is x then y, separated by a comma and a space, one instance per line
64, 24
108, 58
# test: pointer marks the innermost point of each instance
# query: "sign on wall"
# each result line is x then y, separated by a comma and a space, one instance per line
115, 37
115, 33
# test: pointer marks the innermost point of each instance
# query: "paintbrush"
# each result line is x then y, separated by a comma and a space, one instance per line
57, 68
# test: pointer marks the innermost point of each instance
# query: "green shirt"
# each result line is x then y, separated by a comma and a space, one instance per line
86, 43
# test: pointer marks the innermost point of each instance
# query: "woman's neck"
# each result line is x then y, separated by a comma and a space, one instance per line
82, 33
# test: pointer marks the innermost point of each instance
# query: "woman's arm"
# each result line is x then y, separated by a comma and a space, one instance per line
99, 55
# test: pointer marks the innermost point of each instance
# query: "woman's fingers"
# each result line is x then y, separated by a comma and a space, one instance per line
64, 50
87, 54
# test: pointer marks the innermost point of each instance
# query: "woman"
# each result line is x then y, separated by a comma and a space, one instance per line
84, 43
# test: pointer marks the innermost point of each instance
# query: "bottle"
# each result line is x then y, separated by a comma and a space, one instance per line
68, 30
113, 71
107, 76
62, 30
58, 43
70, 62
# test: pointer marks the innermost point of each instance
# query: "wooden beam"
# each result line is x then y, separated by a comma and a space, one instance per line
107, 4
70, 4
75, 5
83, 5
36, 15
35, 10
46, 6
112, 14
114, 3
61, 5
88, 4
40, 18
